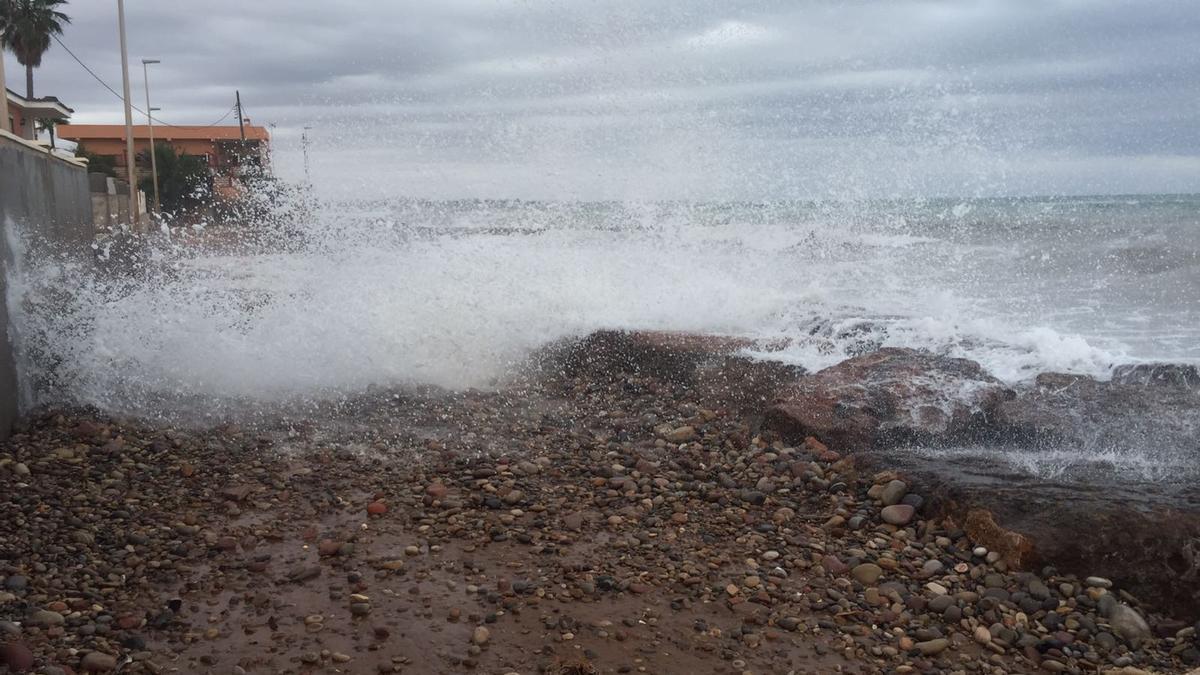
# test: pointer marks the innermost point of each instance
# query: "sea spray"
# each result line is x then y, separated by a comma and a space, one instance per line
328, 302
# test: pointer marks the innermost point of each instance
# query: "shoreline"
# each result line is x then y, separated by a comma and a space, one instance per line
628, 510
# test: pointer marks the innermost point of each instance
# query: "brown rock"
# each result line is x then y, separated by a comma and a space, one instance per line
866, 574
897, 514
681, 434
236, 493
1014, 548
886, 397
98, 662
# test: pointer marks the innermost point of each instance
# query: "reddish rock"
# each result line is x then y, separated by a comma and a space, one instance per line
819, 451
129, 621
17, 657
1014, 548
87, 430
888, 397
436, 490
376, 508
329, 547
834, 565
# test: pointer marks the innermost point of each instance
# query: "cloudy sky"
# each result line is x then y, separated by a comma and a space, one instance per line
636, 99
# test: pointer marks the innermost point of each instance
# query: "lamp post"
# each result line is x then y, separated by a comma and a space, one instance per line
131, 164
146, 63
304, 145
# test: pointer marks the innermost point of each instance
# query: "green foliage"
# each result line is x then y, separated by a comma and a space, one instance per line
98, 163
27, 27
183, 180
49, 124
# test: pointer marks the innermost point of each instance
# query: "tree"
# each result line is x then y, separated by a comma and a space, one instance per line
49, 124
104, 164
28, 27
183, 180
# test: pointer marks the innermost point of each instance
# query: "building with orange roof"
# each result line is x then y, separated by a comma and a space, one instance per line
25, 113
229, 157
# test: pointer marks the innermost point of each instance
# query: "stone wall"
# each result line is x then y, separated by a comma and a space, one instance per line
46, 196
110, 202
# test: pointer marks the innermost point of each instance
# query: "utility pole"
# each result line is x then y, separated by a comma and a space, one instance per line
129, 157
241, 118
304, 145
3, 93
150, 122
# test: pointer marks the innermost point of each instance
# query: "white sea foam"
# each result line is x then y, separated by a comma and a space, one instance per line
1067, 464
456, 294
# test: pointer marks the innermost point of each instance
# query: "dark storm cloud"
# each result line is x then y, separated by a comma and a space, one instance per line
628, 98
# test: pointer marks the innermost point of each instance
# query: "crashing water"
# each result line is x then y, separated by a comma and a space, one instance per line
457, 294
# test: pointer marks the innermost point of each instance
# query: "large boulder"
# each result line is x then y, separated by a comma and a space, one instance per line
1142, 535
889, 397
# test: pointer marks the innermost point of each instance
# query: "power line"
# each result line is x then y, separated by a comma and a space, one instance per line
122, 98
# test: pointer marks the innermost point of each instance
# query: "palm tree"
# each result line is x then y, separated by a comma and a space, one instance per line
28, 26
49, 124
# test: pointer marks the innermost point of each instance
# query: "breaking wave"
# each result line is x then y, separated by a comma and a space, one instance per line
456, 294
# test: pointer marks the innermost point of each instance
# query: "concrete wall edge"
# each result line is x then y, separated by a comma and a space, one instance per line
45, 150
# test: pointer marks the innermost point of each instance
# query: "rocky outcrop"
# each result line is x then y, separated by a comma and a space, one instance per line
1172, 374
1140, 535
889, 397
1143, 408
673, 356
711, 366
876, 405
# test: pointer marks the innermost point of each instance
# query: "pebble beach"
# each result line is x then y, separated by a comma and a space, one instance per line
615, 523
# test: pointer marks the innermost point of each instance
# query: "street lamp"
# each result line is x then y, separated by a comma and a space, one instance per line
304, 145
146, 63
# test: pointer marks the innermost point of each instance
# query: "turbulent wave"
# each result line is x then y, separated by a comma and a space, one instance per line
456, 294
